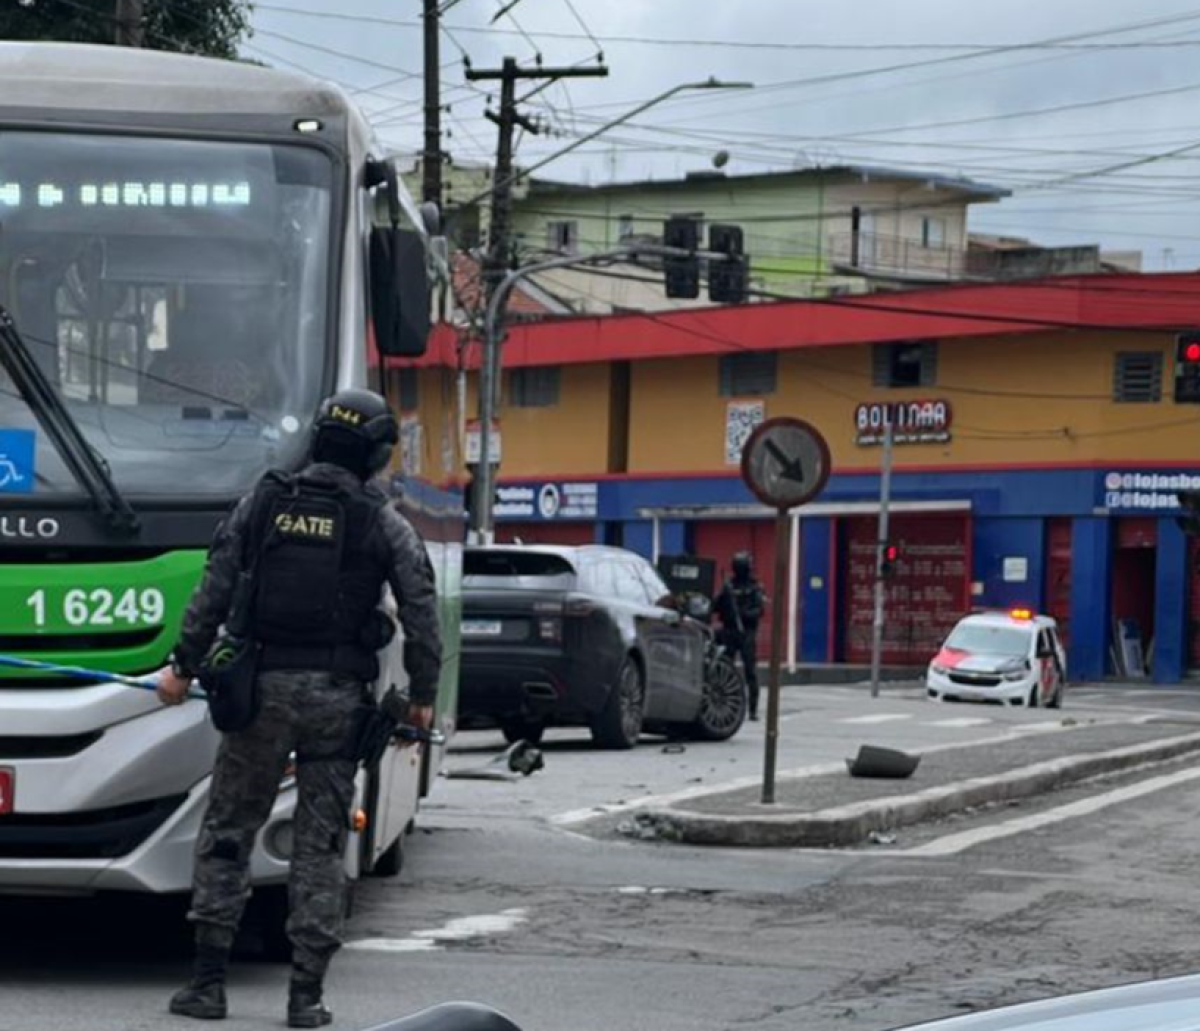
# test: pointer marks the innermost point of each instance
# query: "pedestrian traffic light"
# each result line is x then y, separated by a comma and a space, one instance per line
1189, 521
682, 274
887, 565
728, 277
1187, 368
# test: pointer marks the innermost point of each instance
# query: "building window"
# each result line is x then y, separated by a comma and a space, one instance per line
933, 232
536, 387
1137, 377
748, 374
912, 363
562, 236
624, 227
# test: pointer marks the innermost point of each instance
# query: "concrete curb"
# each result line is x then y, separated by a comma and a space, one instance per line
758, 827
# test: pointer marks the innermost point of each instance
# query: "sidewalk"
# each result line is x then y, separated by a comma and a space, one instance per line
824, 806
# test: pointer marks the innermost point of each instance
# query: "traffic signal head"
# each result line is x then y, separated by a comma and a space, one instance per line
728, 278
1187, 368
682, 274
891, 555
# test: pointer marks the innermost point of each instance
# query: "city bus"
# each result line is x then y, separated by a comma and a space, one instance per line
193, 253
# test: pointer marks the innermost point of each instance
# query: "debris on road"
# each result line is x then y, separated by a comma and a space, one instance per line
520, 758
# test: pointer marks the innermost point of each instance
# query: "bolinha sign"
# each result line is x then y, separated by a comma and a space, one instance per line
912, 422
1146, 492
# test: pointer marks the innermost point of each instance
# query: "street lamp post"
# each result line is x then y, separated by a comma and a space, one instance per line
482, 509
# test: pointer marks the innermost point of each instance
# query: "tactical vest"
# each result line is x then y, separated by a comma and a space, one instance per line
317, 586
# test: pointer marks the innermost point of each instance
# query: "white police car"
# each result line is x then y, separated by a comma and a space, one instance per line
1013, 657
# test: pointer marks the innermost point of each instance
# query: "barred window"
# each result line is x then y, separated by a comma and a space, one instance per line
535, 387
748, 374
1137, 377
909, 363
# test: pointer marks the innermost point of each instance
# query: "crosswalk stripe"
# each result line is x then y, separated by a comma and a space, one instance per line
962, 721
882, 717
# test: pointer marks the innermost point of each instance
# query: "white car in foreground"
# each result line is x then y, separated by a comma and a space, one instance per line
1011, 657
1167, 1005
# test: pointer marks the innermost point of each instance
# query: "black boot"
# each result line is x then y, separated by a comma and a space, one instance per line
305, 1008
204, 996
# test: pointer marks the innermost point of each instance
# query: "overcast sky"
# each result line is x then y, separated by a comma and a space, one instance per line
1110, 167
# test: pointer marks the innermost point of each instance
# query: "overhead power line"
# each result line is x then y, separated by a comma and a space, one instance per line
734, 44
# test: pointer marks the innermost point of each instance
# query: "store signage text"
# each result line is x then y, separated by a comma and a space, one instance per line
548, 501
912, 422
1146, 492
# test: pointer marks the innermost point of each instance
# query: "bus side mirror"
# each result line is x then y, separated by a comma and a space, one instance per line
400, 293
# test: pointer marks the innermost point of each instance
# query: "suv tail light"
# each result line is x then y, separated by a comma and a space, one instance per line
578, 607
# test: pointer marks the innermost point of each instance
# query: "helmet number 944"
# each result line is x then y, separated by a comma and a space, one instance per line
97, 606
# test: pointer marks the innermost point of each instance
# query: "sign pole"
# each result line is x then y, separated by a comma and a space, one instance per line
778, 605
785, 463
885, 497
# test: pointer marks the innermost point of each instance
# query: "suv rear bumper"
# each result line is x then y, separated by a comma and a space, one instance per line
540, 683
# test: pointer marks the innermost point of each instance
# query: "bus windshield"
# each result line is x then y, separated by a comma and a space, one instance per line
175, 294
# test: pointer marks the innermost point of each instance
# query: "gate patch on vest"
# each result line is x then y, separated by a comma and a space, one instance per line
308, 527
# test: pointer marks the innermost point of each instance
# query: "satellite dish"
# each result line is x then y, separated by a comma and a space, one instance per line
720, 159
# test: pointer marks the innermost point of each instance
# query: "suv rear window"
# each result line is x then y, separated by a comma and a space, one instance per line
518, 570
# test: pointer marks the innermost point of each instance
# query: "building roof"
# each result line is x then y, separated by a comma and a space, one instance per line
1162, 302
861, 173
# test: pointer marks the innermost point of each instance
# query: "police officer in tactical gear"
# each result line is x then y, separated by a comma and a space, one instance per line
740, 606
321, 544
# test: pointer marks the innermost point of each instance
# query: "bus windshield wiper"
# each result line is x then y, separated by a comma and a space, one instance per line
60, 426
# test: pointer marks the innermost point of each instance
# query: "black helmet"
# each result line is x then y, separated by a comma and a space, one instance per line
742, 563
355, 429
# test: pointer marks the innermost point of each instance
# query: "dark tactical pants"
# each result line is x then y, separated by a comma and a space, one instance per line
311, 714
745, 647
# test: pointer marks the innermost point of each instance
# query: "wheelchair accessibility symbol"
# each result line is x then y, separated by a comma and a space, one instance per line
17, 450
9, 473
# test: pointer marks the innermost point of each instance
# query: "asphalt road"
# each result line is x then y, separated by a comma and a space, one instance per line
502, 901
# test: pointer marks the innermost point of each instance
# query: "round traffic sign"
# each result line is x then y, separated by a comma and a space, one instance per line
785, 462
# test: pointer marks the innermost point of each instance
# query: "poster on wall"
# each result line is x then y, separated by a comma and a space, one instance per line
926, 596
411, 444
741, 418
474, 443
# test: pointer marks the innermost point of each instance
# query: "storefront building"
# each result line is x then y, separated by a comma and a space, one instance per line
1038, 449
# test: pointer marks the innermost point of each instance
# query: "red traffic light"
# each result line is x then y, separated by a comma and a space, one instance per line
891, 553
1191, 353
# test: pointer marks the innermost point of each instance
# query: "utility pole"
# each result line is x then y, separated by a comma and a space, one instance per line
431, 160
129, 29
496, 263
885, 497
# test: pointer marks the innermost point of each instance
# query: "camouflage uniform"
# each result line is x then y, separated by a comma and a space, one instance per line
308, 712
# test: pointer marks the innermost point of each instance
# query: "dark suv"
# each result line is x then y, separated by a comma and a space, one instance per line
587, 636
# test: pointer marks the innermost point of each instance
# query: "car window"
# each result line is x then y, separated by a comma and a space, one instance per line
990, 639
628, 584
514, 569
597, 578
656, 589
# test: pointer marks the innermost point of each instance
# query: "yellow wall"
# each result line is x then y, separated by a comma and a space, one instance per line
1063, 411
1060, 411
570, 437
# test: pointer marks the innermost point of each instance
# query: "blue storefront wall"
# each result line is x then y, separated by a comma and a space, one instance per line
1008, 513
